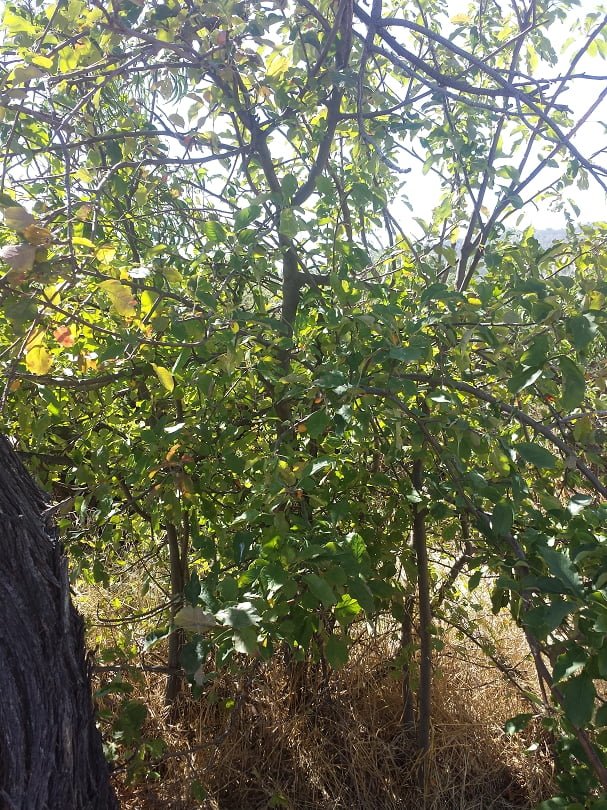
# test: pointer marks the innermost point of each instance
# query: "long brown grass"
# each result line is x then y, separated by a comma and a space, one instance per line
296, 736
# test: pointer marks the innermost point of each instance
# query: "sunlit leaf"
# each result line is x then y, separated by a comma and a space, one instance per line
165, 376
121, 297
38, 360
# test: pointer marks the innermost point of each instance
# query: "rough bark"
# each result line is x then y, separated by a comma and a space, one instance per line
51, 756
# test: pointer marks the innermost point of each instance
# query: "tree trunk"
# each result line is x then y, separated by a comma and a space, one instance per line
51, 757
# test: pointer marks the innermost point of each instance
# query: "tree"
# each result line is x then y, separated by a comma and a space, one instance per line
240, 359
51, 750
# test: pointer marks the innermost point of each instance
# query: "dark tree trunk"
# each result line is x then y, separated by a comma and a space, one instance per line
51, 756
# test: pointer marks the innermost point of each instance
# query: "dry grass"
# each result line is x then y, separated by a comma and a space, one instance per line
300, 739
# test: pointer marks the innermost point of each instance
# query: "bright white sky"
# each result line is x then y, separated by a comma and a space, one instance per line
591, 138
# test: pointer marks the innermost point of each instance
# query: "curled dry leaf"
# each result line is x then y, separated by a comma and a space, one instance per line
20, 258
38, 236
17, 218
195, 619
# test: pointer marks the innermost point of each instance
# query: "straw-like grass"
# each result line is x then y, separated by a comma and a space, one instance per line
299, 738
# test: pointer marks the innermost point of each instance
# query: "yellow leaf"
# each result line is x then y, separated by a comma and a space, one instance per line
81, 240
165, 376
234, 327
52, 293
42, 61
36, 338
83, 212
121, 297
105, 253
38, 360
171, 274
148, 302
278, 65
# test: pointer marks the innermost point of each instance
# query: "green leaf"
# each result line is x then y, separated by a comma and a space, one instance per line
317, 423
245, 640
574, 384
536, 454
517, 723
242, 615
561, 566
357, 545
6, 200
474, 580
193, 655
601, 716
569, 663
544, 619
278, 64
537, 353
191, 590
289, 226
130, 720
578, 700
407, 354
214, 231
320, 589
288, 186
582, 329
245, 216
336, 652
502, 518
347, 609
332, 379
359, 589
523, 378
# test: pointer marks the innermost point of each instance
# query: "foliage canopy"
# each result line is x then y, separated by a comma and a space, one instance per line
230, 347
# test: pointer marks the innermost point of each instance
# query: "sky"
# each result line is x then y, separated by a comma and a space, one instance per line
591, 137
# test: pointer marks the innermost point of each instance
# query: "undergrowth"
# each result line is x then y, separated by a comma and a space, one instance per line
293, 735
